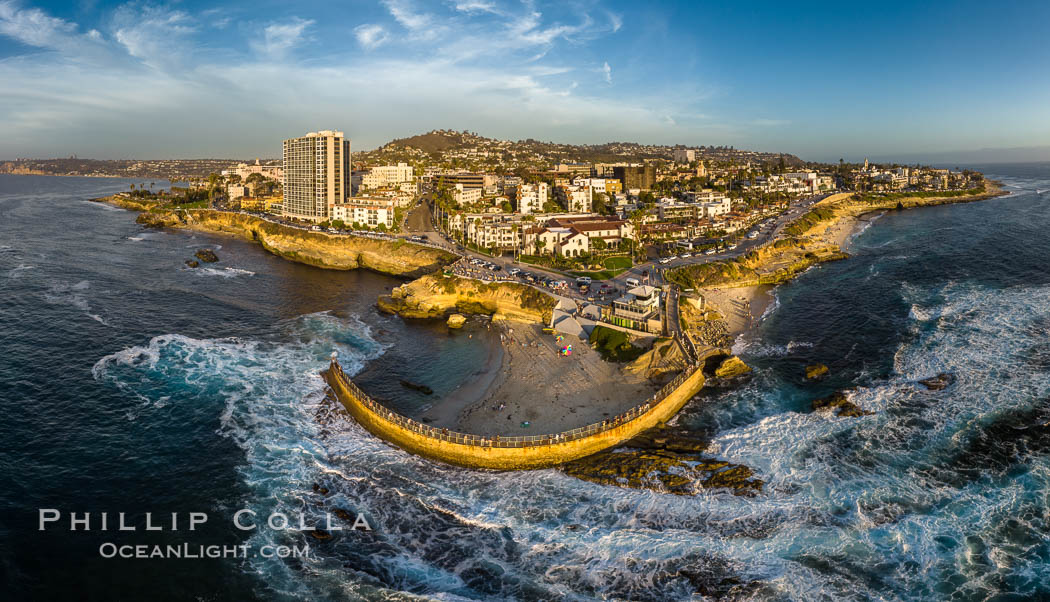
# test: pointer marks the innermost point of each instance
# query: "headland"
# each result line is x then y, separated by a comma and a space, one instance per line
395, 257
733, 294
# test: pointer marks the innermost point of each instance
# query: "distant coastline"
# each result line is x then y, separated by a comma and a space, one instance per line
741, 292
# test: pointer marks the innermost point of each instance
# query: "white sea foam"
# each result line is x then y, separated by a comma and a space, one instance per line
835, 490
756, 347
105, 206
227, 272
17, 272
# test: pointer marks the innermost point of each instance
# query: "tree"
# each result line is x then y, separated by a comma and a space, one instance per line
599, 244
598, 203
338, 223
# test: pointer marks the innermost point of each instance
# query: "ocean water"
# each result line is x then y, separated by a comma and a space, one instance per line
131, 383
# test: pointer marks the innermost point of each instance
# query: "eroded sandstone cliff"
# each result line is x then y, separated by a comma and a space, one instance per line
438, 295
337, 252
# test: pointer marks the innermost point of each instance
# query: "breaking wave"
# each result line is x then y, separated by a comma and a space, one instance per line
227, 272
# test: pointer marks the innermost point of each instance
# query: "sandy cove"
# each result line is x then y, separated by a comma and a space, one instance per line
743, 307
528, 380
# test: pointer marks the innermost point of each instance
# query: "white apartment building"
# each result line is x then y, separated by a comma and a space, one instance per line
466, 196
368, 212
243, 170
707, 195
577, 199
316, 174
721, 206
811, 182
383, 176
684, 155
532, 197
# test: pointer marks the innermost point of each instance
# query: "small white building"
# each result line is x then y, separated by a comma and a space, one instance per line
367, 212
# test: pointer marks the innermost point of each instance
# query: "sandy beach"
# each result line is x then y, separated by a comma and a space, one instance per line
529, 381
741, 307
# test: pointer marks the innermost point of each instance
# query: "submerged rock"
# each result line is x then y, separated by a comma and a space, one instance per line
425, 390
456, 321
320, 534
816, 371
670, 439
939, 382
192, 263
732, 367
838, 401
206, 255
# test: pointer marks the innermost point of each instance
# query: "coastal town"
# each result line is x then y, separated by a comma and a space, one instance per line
617, 276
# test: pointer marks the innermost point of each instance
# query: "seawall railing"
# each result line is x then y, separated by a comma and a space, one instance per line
443, 434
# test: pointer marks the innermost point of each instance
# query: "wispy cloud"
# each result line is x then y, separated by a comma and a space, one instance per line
513, 77
371, 35
404, 12
279, 38
33, 26
155, 35
476, 6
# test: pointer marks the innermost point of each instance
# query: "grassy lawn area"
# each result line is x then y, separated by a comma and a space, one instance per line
614, 345
613, 266
602, 275
194, 205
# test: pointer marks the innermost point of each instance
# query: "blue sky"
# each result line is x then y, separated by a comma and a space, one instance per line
821, 80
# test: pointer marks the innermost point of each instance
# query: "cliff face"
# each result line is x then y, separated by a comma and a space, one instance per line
127, 203
398, 258
770, 264
436, 296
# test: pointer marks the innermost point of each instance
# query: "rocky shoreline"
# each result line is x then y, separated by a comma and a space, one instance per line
666, 460
320, 249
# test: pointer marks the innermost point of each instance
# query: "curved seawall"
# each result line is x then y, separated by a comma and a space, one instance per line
511, 453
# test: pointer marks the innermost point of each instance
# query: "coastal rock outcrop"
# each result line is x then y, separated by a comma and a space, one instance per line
456, 321
665, 460
321, 249
732, 367
939, 382
206, 255
192, 263
438, 295
425, 390
815, 371
839, 403
661, 363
